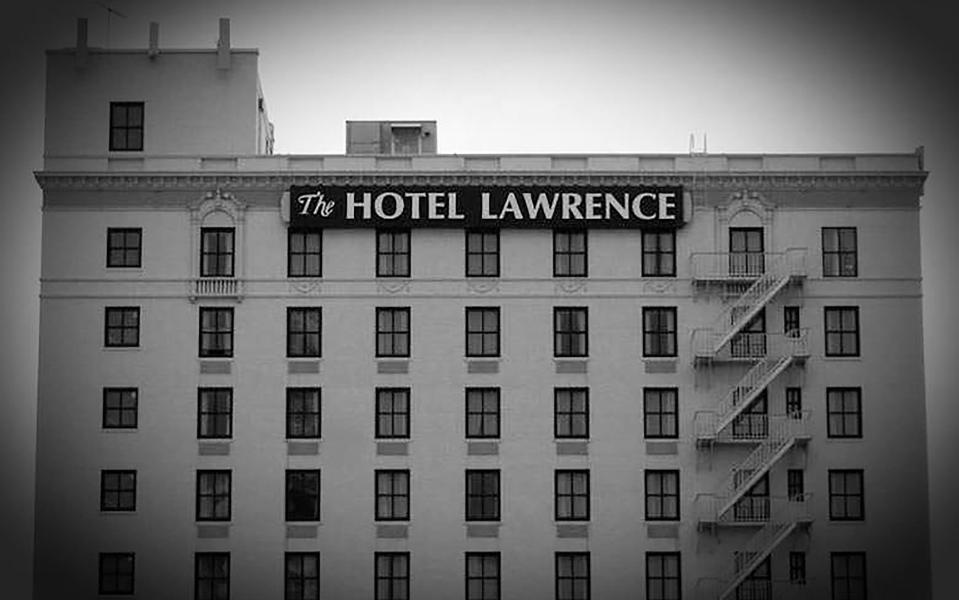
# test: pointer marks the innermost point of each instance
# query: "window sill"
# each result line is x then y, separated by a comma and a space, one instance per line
131, 513
122, 348
843, 358
112, 430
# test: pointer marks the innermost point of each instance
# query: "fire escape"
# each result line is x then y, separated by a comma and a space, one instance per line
750, 281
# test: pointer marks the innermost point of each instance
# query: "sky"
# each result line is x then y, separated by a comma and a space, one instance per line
597, 76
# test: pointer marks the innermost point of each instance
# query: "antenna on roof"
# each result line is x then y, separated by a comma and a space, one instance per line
110, 11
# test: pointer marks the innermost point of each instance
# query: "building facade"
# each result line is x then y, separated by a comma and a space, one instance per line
376, 375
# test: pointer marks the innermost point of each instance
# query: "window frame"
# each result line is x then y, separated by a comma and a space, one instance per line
653, 349
792, 321
571, 415
214, 495
483, 577
302, 257
485, 256
305, 334
663, 578
120, 409
842, 351
662, 496
393, 475
572, 475
834, 580
840, 254
794, 401
124, 248
291, 478
221, 349
844, 394
126, 128
484, 312
482, 494
213, 579
393, 332
846, 497
392, 577
482, 391
392, 254
215, 415
392, 414
573, 557
797, 567
205, 251
661, 414
298, 575
292, 415
568, 254
795, 484
125, 496
657, 253
116, 589
123, 327
572, 350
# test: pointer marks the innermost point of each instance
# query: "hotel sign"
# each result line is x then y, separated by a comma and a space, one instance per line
610, 207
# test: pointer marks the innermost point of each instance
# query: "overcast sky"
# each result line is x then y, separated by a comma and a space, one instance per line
531, 76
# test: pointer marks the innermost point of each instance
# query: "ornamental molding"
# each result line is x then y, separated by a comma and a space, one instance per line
577, 286
660, 287
277, 182
482, 287
393, 287
313, 288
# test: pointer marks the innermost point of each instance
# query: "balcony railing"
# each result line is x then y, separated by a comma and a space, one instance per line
749, 346
753, 510
745, 266
216, 287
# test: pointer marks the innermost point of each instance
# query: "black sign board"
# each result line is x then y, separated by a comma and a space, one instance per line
609, 207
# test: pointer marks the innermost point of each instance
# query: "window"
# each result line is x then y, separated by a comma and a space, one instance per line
126, 126
482, 495
121, 327
794, 402
797, 568
791, 325
570, 337
216, 252
569, 253
303, 413
392, 495
750, 342
482, 331
392, 412
116, 573
120, 408
663, 581
846, 495
482, 253
211, 576
482, 576
216, 332
572, 576
848, 572
659, 331
302, 579
795, 485
753, 422
123, 247
303, 327
571, 412
662, 495
482, 412
215, 413
842, 330
213, 495
393, 332
746, 251
302, 495
572, 495
661, 413
844, 412
392, 575
754, 504
659, 254
118, 491
393, 253
839, 254
304, 253
758, 585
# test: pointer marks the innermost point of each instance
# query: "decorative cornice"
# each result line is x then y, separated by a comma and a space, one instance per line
276, 182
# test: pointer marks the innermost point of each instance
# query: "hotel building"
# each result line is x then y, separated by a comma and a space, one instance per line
395, 374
